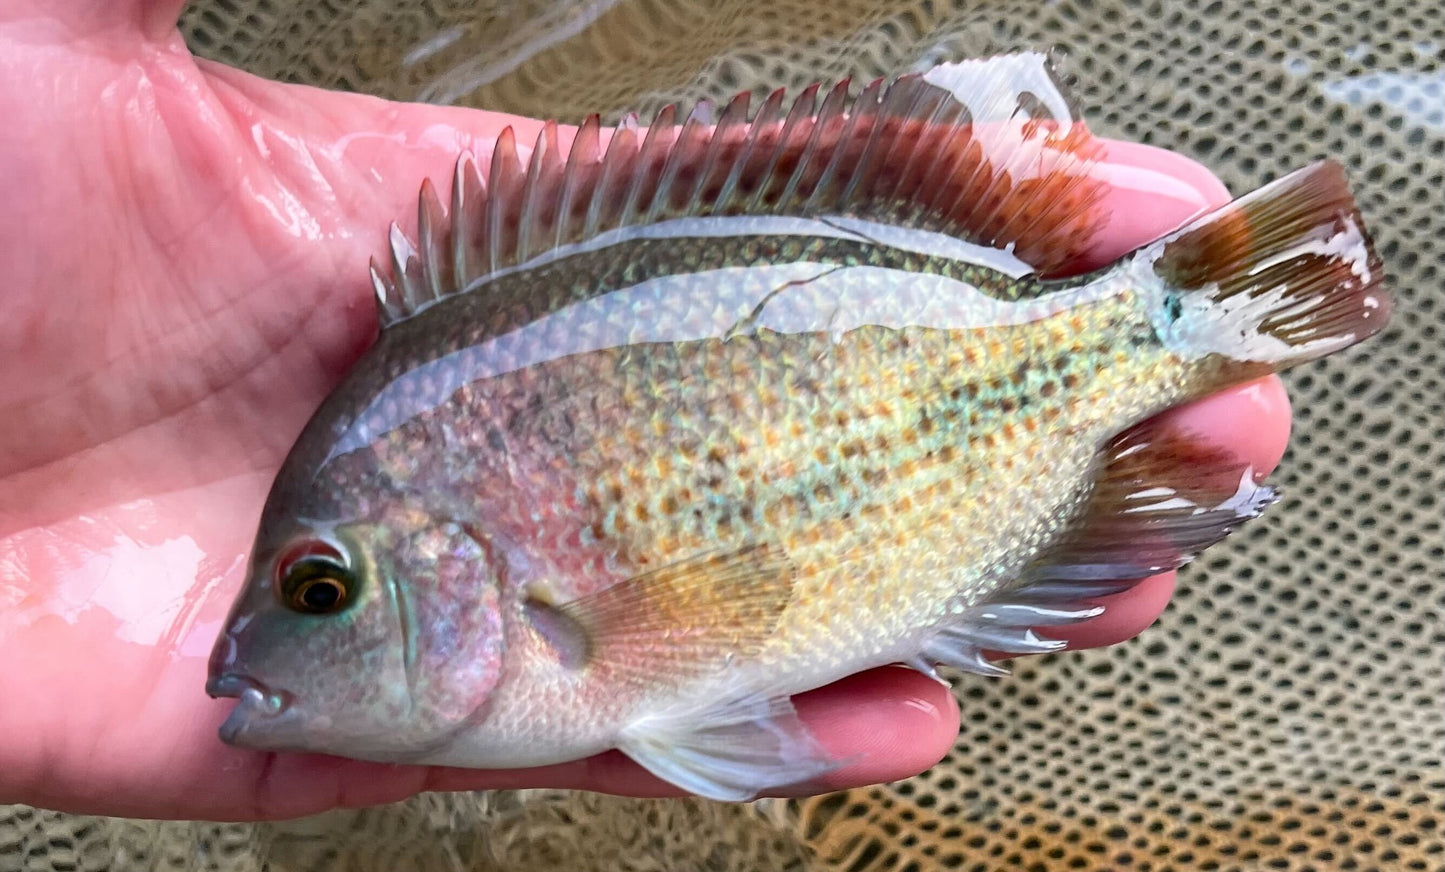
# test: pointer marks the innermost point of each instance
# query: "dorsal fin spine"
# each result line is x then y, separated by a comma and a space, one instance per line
584, 154
502, 180
904, 105
388, 305
617, 166
802, 108
832, 106
469, 196
431, 234
824, 193
403, 257
639, 197
537, 194
683, 151
871, 103
729, 133
770, 113
831, 128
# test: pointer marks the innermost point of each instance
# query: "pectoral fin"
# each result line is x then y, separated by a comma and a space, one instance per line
675, 624
678, 621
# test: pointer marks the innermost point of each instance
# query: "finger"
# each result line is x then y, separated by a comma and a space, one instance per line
1125, 616
890, 723
1148, 193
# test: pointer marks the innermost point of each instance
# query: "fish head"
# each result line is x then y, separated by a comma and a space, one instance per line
376, 637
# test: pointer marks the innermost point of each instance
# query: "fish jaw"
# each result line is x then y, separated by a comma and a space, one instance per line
260, 713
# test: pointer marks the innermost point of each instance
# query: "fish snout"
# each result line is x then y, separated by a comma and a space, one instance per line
257, 703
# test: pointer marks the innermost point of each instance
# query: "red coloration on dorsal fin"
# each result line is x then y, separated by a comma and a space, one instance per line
987, 152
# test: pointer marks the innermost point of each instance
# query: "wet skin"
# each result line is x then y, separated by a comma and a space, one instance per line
187, 252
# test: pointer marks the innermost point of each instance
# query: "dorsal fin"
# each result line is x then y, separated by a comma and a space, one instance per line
989, 152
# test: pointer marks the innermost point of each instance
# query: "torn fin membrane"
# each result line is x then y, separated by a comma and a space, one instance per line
985, 151
1159, 500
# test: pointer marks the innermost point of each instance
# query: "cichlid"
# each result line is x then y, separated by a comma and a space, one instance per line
663, 430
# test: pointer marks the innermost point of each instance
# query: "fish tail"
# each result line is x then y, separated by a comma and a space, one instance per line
1278, 277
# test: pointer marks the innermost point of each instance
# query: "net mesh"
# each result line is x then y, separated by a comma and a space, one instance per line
1287, 712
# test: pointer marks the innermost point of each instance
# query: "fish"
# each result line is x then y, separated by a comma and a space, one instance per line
667, 427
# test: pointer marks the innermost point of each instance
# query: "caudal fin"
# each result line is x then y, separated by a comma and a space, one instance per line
1280, 276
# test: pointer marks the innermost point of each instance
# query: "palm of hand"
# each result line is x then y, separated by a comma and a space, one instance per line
188, 249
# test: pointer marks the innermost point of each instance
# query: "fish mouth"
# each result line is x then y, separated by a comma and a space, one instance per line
257, 704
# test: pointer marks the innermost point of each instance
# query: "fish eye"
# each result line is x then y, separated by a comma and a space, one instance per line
313, 578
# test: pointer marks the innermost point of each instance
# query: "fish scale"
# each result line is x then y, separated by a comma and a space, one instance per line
659, 434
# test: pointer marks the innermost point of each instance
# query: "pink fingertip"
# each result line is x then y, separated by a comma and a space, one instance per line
1125, 616
1252, 420
1150, 192
890, 723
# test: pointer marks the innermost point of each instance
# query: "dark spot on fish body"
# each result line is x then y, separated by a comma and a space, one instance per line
1173, 307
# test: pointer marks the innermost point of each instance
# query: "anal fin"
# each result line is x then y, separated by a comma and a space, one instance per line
1160, 498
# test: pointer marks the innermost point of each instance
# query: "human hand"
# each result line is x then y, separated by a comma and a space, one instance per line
188, 249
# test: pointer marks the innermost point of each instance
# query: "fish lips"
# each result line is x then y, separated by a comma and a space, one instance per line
258, 708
